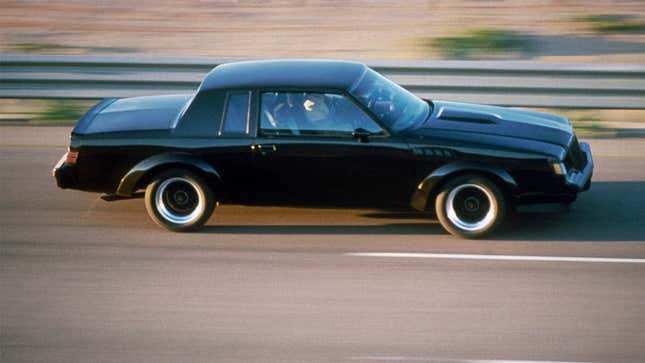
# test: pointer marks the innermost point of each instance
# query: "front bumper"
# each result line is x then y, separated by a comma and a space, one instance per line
580, 180
65, 174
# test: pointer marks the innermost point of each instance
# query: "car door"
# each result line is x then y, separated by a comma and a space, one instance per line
321, 147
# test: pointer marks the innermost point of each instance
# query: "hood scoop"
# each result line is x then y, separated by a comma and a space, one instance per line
453, 114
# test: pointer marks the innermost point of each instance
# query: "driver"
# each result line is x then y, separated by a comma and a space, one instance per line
319, 113
316, 109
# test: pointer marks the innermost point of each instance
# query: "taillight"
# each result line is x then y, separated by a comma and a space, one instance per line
71, 156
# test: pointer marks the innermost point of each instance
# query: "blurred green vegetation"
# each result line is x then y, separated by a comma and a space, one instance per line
45, 112
36, 47
480, 42
612, 23
52, 48
63, 112
591, 129
586, 123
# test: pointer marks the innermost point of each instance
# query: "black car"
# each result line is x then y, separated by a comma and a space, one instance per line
314, 132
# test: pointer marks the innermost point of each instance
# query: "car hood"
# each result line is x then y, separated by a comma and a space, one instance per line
500, 121
135, 113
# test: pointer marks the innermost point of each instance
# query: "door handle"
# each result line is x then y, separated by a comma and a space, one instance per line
266, 148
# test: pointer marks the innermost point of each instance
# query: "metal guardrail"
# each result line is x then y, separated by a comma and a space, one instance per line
491, 82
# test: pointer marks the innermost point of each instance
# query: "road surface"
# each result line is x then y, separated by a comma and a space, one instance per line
86, 280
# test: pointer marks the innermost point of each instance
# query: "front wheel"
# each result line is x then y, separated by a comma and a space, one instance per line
470, 206
179, 200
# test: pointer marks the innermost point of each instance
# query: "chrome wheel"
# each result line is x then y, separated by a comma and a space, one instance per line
470, 207
179, 200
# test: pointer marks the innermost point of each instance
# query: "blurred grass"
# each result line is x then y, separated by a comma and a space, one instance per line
611, 23
36, 47
479, 42
62, 112
604, 123
591, 128
43, 112
53, 48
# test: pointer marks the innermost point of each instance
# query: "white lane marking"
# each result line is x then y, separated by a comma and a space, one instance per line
453, 360
454, 256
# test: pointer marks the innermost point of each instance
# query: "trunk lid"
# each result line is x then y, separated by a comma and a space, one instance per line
135, 113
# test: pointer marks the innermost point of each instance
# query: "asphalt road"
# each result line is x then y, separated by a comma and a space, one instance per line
82, 280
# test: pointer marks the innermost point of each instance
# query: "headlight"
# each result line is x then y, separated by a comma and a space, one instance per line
559, 168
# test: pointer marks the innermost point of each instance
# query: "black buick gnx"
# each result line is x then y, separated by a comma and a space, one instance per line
322, 133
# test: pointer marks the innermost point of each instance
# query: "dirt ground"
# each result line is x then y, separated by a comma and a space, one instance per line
346, 29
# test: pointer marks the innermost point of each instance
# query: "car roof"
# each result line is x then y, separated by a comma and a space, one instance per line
284, 73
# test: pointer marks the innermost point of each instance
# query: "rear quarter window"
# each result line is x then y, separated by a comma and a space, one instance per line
236, 114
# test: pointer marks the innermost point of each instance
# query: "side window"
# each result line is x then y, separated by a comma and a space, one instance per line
346, 112
236, 114
311, 113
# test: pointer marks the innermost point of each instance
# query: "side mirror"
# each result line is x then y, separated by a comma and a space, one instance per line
361, 134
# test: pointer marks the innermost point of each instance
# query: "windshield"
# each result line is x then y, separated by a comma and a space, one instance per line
395, 106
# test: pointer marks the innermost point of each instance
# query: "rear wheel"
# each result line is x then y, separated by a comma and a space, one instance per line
179, 200
470, 206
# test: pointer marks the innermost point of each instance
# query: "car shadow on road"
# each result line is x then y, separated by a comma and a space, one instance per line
429, 227
610, 211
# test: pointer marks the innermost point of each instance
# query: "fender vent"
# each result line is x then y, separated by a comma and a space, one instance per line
433, 151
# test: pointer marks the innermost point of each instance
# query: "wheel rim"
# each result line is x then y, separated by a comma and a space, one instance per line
179, 200
470, 207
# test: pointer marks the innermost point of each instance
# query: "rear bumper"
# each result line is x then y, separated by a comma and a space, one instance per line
580, 180
65, 174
